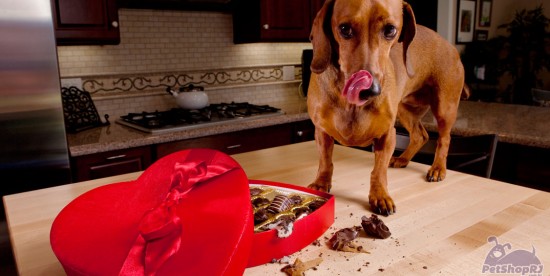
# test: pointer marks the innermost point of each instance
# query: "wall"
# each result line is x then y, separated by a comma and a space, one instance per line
505, 10
160, 48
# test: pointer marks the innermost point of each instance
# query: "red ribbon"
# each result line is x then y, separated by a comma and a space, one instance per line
160, 228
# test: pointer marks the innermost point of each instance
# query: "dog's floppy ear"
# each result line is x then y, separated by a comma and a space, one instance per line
320, 38
408, 31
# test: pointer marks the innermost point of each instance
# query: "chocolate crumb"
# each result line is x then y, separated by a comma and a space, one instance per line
316, 243
381, 269
425, 267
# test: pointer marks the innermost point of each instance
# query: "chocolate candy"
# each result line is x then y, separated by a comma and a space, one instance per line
260, 216
279, 204
260, 201
278, 209
296, 200
375, 227
301, 211
255, 191
316, 204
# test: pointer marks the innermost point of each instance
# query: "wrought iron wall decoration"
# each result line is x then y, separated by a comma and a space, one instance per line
106, 85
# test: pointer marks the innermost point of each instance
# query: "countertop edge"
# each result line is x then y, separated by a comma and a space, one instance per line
152, 139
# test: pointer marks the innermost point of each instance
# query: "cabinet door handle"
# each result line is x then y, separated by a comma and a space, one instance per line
299, 133
116, 157
114, 24
266, 26
234, 146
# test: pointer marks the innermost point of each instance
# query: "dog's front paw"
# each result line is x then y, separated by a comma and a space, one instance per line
381, 202
436, 174
398, 162
323, 187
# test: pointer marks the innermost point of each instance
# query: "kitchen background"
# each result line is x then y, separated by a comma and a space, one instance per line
178, 47
190, 46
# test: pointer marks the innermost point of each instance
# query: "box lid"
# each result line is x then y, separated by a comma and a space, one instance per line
187, 214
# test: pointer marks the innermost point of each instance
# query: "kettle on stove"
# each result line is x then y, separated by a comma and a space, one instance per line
190, 96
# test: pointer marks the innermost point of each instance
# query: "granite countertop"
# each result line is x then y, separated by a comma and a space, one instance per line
516, 124
116, 136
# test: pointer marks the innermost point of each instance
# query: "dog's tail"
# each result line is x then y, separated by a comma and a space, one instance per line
465, 92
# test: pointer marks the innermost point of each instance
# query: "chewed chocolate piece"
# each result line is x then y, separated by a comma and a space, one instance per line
301, 212
298, 268
260, 216
279, 204
343, 237
260, 201
283, 224
342, 240
375, 227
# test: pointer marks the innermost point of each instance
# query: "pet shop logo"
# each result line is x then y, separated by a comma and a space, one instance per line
516, 262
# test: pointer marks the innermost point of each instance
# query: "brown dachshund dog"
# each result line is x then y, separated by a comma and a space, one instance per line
372, 63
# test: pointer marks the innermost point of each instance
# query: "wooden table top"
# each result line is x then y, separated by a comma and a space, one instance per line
438, 228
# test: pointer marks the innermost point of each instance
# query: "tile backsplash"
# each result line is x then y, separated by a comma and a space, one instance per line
156, 43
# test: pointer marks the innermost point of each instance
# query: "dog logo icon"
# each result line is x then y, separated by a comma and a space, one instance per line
523, 262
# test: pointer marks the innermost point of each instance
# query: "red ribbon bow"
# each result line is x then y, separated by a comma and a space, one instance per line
160, 228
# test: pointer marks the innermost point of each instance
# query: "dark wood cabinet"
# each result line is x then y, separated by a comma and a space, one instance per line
111, 163
86, 22
273, 20
234, 142
303, 131
117, 162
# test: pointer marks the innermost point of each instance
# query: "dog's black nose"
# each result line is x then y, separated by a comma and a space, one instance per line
373, 91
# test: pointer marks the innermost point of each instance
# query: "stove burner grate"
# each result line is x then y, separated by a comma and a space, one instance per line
178, 117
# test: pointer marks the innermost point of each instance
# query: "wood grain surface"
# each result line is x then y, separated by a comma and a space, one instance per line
439, 228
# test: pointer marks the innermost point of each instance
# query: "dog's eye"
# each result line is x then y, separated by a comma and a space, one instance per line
346, 31
390, 32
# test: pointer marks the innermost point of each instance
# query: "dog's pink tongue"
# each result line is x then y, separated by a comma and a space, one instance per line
359, 81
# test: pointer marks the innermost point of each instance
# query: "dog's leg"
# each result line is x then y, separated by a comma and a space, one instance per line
379, 197
410, 117
445, 115
325, 146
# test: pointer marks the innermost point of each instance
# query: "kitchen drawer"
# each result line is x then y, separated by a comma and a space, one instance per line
234, 142
111, 163
303, 131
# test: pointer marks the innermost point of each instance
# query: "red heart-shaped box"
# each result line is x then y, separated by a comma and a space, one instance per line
188, 214
101, 232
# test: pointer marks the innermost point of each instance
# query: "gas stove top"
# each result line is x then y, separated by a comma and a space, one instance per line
177, 119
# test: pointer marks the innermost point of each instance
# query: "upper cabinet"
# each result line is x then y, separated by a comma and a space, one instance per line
273, 20
85, 22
